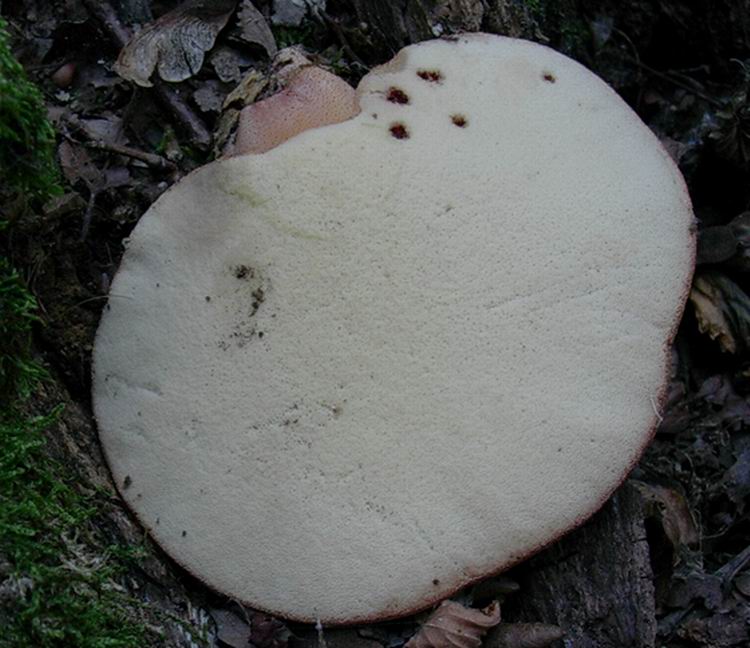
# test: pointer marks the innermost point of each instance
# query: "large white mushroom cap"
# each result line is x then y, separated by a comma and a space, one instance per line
344, 378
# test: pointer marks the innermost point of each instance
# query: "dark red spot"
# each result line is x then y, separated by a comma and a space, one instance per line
435, 581
398, 96
549, 77
399, 131
433, 76
459, 120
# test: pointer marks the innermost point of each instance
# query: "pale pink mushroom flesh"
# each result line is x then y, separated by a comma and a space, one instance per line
312, 98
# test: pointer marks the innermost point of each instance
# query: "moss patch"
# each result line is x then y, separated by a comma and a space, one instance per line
58, 574
55, 590
26, 137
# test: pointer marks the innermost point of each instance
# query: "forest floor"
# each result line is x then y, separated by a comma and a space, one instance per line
82, 573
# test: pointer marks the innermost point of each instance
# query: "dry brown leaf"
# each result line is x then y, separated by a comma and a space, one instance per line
722, 309
77, 165
247, 90
716, 244
742, 583
672, 510
255, 29
209, 96
291, 13
523, 635
231, 630
729, 408
243, 95
176, 43
228, 63
454, 626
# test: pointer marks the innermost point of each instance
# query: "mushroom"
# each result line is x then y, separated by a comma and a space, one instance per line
342, 379
312, 97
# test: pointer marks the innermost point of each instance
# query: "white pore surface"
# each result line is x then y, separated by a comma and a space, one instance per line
343, 378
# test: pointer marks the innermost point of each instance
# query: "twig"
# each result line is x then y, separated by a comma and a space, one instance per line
670, 79
87, 215
153, 160
190, 122
729, 570
120, 35
334, 25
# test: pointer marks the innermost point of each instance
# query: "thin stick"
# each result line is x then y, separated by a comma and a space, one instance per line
153, 160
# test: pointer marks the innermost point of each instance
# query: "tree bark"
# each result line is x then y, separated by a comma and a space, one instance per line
596, 583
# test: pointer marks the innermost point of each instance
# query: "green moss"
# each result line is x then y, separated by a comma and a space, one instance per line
575, 35
58, 576
285, 36
58, 590
27, 163
18, 373
536, 7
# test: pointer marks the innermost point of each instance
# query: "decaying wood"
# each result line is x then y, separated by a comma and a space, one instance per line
596, 583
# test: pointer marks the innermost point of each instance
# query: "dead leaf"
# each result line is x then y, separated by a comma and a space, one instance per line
676, 414
675, 148
209, 96
720, 630
742, 583
228, 63
601, 30
230, 629
452, 625
672, 511
77, 165
691, 586
267, 631
722, 309
116, 177
737, 478
731, 409
290, 13
255, 29
63, 205
716, 244
523, 635
247, 90
344, 639
243, 95
176, 43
